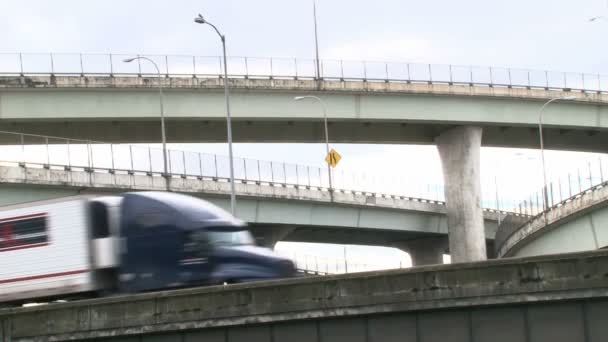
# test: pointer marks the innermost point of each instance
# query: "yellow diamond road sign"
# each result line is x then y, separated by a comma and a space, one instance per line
333, 158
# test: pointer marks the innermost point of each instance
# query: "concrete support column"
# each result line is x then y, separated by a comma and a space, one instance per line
425, 251
459, 149
269, 236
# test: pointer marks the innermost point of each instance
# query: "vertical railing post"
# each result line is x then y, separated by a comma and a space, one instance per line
246, 68
569, 187
580, 183
112, 155
139, 66
551, 193
386, 71
409, 76
341, 70
69, 158
284, 174
297, 176
599, 84
150, 160
430, 74
184, 162
245, 168
364, 71
295, 65
308, 175
194, 66
215, 166
259, 173
89, 166
271, 73
546, 80
510, 80
111, 66
529, 82
166, 65
271, 173
131, 158
491, 77
48, 155
200, 165
471, 75
81, 66
20, 64
22, 148
52, 64
451, 76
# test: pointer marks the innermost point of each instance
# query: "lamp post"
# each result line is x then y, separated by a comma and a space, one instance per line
542, 149
299, 98
162, 113
318, 70
201, 20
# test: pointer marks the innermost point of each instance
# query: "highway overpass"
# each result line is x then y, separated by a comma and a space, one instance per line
277, 212
575, 224
457, 116
561, 298
125, 109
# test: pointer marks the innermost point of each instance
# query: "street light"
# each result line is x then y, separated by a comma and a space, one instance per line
299, 98
162, 113
201, 20
542, 150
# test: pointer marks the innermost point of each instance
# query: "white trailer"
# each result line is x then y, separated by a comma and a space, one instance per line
48, 248
44, 249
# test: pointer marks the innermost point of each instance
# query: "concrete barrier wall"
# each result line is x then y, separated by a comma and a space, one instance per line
555, 298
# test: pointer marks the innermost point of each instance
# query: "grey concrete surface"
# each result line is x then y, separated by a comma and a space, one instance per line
425, 251
552, 298
459, 150
579, 224
124, 109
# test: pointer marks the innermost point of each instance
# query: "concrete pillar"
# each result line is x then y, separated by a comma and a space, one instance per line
269, 236
459, 149
425, 251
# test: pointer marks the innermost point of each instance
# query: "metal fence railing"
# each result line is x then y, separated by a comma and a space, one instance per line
565, 188
94, 156
297, 68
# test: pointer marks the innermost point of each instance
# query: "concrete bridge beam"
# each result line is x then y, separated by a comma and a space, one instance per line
459, 150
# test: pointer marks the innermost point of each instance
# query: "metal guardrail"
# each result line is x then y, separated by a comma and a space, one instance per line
297, 68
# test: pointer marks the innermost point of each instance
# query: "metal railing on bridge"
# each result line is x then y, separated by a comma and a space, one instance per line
565, 188
297, 68
93, 156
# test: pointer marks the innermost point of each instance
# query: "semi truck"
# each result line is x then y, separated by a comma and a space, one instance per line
134, 242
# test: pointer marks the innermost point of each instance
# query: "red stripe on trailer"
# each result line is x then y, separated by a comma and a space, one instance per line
42, 244
42, 276
16, 218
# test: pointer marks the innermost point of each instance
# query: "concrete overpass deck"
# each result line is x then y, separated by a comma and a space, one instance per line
575, 224
124, 109
561, 298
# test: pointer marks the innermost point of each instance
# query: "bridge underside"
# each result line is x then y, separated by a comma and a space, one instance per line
301, 131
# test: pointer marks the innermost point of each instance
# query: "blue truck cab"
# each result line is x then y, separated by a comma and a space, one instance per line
170, 240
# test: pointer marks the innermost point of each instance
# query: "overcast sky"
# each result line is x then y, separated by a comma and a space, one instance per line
540, 34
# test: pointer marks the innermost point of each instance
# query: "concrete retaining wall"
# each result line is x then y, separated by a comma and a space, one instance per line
556, 298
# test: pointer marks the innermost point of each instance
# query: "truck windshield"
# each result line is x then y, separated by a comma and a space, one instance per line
230, 238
